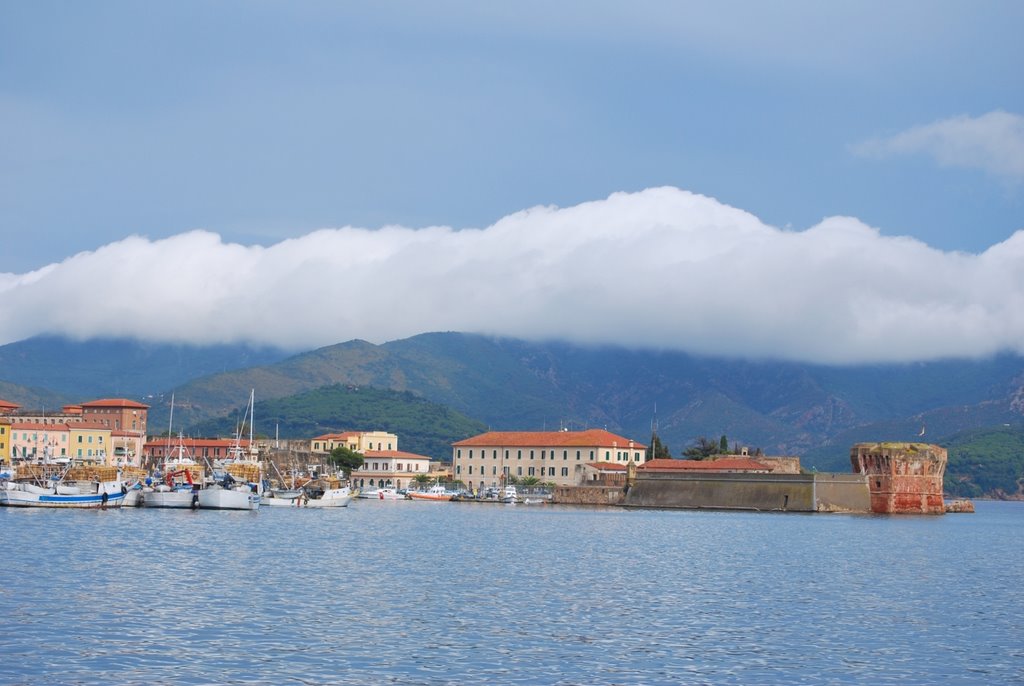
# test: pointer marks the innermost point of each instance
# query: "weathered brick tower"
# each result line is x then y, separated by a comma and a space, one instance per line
903, 478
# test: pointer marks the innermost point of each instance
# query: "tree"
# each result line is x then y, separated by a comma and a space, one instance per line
723, 445
701, 449
422, 479
529, 481
658, 449
346, 460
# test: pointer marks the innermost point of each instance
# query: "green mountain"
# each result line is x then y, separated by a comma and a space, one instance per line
35, 398
986, 462
422, 427
812, 411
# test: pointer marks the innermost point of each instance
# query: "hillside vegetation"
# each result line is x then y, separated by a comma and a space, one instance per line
986, 462
422, 427
786, 408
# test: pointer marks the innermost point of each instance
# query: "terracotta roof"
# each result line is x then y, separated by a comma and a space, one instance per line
731, 464
336, 437
37, 426
394, 453
559, 439
116, 402
8, 405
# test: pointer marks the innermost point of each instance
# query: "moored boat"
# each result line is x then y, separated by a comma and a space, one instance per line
63, 494
435, 492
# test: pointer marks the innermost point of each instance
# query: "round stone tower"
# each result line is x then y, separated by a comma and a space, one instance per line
903, 478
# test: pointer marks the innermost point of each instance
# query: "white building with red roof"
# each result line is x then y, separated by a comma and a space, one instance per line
559, 457
391, 468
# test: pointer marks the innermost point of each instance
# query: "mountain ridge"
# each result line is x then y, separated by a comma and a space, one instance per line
813, 411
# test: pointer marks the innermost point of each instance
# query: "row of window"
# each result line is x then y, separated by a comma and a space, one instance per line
63, 452
399, 467
620, 455
530, 471
46, 437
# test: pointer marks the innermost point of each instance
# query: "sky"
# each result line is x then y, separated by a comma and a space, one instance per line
835, 182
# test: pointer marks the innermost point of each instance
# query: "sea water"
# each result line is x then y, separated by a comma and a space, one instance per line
449, 593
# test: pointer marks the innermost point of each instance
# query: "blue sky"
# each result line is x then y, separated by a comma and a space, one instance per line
265, 121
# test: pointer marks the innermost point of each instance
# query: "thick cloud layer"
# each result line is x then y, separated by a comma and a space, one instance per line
661, 268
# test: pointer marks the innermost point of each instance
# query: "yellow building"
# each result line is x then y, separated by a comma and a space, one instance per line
90, 444
357, 441
5, 440
6, 408
558, 457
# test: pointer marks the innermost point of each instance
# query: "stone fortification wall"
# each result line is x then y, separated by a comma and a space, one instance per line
820, 492
841, 492
587, 495
722, 490
903, 478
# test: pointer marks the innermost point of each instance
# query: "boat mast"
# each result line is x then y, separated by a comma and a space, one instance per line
170, 425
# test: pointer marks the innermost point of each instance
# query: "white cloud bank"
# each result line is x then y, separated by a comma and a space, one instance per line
661, 268
993, 143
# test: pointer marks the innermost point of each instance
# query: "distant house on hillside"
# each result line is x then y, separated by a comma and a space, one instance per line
559, 457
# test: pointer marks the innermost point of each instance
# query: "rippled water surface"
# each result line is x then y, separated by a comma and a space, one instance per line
433, 593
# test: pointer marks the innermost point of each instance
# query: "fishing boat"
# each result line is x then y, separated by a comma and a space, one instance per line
68, 490
173, 493
239, 483
509, 495
435, 492
180, 478
332, 497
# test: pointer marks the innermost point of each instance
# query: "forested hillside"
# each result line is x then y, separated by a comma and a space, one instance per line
422, 427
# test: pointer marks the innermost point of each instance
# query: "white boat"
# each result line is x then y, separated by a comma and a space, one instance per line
369, 494
274, 500
509, 495
388, 494
229, 493
435, 492
78, 494
220, 497
133, 498
177, 489
332, 497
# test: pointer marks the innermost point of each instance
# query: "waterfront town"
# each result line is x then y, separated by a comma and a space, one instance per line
585, 467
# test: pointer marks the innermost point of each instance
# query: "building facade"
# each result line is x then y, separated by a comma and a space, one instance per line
356, 441
109, 431
391, 468
558, 457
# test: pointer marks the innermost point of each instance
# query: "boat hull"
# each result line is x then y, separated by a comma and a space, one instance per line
336, 501
179, 500
215, 498
17, 496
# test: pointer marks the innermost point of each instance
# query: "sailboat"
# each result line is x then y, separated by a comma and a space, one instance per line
240, 481
179, 485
